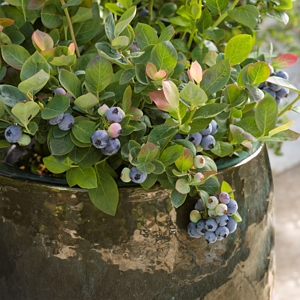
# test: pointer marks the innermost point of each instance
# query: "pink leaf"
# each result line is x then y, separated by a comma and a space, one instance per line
151, 70
284, 61
171, 93
195, 72
41, 40
158, 97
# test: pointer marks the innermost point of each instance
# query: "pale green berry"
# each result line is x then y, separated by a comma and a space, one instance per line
195, 216
212, 202
212, 213
221, 209
103, 109
199, 161
125, 175
24, 140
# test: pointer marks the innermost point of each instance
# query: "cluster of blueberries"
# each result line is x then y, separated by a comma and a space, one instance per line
108, 140
219, 223
276, 91
205, 138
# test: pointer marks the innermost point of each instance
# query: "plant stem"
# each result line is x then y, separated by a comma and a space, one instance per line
150, 11
289, 106
224, 15
71, 28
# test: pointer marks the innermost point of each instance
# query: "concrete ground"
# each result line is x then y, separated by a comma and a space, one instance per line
287, 234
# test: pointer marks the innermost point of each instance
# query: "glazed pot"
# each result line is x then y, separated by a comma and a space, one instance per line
55, 244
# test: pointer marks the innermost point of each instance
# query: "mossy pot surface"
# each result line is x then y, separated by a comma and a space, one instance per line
56, 245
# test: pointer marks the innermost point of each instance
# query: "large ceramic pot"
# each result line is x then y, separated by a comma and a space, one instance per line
54, 244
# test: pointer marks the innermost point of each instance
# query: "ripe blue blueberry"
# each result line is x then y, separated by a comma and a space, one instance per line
231, 225
208, 142
232, 207
137, 176
262, 85
222, 220
222, 231
201, 226
192, 231
112, 147
195, 138
67, 122
210, 237
13, 133
270, 91
207, 130
100, 139
115, 114
144, 12
199, 205
214, 127
56, 120
283, 92
178, 136
211, 225
282, 74
274, 87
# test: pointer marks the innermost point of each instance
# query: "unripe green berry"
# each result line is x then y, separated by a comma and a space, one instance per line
195, 216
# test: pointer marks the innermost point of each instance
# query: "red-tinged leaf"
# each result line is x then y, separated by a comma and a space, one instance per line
6, 22
148, 152
284, 61
158, 97
42, 41
185, 161
36, 4
136, 113
195, 72
171, 93
71, 49
151, 69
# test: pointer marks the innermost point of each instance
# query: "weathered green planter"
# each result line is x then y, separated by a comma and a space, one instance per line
56, 245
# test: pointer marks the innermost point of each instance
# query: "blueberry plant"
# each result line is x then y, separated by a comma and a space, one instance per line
144, 93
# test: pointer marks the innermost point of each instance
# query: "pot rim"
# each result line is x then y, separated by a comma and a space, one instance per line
222, 164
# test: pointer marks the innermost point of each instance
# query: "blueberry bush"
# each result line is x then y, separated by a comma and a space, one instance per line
143, 92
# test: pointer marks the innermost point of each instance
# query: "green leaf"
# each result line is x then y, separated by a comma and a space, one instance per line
78, 154
159, 167
162, 134
171, 154
109, 26
167, 33
35, 83
83, 14
185, 160
50, 16
55, 167
82, 130
193, 94
211, 185
126, 76
245, 14
10, 95
125, 20
266, 114
216, 77
149, 182
14, 55
99, 73
86, 101
120, 41
239, 135
282, 128
70, 177
164, 56
86, 178
25, 111
216, 6
210, 110
35, 63
182, 186
283, 136
284, 5
145, 35
238, 48
61, 146
106, 196
147, 167
177, 198
283, 82
226, 188
222, 149
148, 152
58, 105
70, 82
256, 73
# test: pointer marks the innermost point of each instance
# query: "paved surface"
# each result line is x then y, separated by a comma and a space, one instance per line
287, 234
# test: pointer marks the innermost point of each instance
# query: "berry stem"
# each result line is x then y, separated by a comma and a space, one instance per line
289, 106
71, 28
